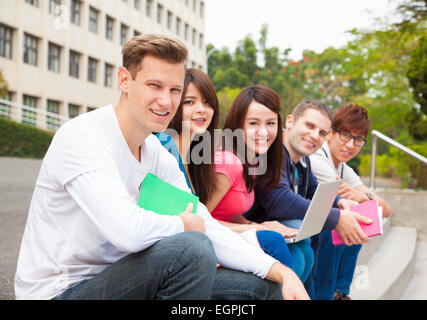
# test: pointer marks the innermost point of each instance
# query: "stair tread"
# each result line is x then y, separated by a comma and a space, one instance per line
417, 287
384, 268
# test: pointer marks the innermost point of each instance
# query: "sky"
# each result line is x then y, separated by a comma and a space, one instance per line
296, 24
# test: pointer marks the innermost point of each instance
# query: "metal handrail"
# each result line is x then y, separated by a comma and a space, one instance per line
39, 117
375, 136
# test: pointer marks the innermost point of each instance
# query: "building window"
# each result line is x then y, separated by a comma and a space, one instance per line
93, 20
33, 2
202, 9
73, 110
193, 37
178, 26
148, 8
28, 115
75, 11
124, 30
194, 5
92, 68
169, 21
200, 41
30, 49
108, 76
53, 6
186, 30
53, 57
74, 64
109, 27
6, 41
159, 13
5, 111
136, 4
52, 122
136, 33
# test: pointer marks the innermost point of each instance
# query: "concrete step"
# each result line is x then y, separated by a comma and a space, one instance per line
417, 287
387, 273
369, 249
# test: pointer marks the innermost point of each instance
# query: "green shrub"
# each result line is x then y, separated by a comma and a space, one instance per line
398, 164
415, 171
385, 165
22, 140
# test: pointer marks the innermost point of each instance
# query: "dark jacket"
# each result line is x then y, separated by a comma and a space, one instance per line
282, 203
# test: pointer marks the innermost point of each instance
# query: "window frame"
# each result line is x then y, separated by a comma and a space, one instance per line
54, 57
93, 20
108, 75
31, 49
75, 12
124, 31
6, 41
109, 28
92, 70
74, 64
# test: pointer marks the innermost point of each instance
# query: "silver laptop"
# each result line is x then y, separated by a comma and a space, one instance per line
318, 211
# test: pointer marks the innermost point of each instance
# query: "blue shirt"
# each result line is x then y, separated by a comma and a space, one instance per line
168, 143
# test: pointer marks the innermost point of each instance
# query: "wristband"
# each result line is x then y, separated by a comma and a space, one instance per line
370, 196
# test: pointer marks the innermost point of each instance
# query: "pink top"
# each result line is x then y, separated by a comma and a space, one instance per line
236, 201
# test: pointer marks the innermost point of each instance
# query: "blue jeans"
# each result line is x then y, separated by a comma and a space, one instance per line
275, 245
301, 252
182, 266
334, 266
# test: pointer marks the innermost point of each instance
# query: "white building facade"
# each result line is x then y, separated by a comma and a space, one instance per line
60, 57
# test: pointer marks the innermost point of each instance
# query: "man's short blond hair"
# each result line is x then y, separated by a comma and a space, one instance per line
159, 46
312, 104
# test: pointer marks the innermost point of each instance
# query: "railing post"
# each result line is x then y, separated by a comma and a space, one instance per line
373, 161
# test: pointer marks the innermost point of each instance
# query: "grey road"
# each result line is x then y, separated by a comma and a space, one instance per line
17, 178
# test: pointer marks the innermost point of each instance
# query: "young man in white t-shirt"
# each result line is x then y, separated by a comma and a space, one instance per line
335, 266
86, 238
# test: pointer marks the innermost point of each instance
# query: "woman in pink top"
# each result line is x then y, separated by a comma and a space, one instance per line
254, 119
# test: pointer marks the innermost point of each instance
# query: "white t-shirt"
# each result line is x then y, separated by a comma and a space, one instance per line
83, 214
324, 168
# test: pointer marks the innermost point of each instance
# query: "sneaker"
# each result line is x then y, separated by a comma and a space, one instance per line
341, 296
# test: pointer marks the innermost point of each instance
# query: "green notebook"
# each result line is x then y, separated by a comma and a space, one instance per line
163, 198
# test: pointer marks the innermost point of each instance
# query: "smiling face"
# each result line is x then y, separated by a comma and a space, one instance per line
196, 111
307, 134
342, 151
260, 127
155, 93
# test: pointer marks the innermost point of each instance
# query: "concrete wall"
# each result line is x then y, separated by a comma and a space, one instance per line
409, 209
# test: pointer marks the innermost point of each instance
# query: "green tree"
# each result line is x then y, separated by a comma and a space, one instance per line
245, 57
3, 85
417, 75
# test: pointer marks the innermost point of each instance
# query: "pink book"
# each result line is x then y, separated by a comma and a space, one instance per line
370, 210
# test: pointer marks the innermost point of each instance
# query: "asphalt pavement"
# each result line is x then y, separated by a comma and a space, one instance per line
17, 179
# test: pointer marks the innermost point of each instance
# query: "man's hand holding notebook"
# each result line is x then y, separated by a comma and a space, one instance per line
163, 198
367, 209
192, 222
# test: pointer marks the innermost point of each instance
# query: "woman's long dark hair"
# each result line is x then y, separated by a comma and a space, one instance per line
235, 120
202, 175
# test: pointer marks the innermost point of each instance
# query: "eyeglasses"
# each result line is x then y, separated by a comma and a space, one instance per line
347, 136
